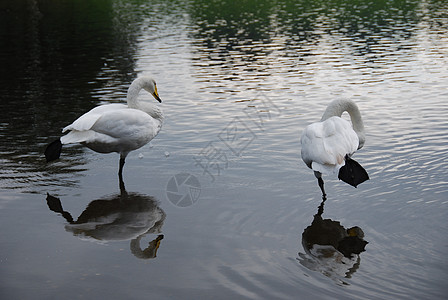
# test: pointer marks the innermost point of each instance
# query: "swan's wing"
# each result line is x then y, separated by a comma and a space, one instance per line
86, 121
314, 151
117, 130
339, 138
325, 144
127, 124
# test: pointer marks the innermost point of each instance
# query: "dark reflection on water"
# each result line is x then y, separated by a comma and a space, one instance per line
117, 217
332, 249
52, 52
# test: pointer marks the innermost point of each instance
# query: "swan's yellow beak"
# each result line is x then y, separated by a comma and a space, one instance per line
156, 95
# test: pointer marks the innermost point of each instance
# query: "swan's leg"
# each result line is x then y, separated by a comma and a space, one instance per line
320, 181
120, 170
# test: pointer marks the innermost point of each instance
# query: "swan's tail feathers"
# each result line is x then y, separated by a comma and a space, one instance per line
53, 150
76, 136
352, 172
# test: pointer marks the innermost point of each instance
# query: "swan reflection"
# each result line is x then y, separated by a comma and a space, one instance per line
117, 217
332, 249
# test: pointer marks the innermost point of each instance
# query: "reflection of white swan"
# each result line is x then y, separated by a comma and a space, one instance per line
118, 217
330, 262
150, 251
330, 248
115, 127
328, 145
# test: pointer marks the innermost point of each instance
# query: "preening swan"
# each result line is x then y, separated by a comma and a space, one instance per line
115, 127
327, 146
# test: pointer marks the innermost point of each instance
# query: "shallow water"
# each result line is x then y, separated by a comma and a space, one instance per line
239, 82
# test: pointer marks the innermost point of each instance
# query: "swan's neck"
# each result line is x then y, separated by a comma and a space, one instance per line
150, 108
338, 107
133, 91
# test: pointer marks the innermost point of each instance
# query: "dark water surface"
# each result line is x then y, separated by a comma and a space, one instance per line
216, 205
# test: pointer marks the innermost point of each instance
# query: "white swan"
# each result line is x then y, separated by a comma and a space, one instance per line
115, 127
328, 145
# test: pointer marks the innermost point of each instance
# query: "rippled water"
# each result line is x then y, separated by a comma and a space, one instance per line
239, 82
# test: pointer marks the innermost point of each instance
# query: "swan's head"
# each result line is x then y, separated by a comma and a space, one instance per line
362, 139
150, 86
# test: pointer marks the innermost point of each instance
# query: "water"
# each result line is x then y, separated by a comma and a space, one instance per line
239, 82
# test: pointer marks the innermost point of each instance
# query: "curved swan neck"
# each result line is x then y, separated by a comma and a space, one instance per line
133, 91
132, 99
338, 107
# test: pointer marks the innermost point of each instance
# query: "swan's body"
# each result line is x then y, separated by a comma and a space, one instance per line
115, 127
328, 145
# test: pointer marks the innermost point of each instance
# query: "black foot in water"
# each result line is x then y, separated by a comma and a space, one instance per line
352, 172
53, 150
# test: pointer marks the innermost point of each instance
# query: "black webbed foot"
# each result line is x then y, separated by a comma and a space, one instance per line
352, 172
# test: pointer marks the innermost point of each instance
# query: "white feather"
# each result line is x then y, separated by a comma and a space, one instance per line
326, 143
86, 121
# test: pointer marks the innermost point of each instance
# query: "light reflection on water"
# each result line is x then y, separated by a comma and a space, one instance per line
213, 61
